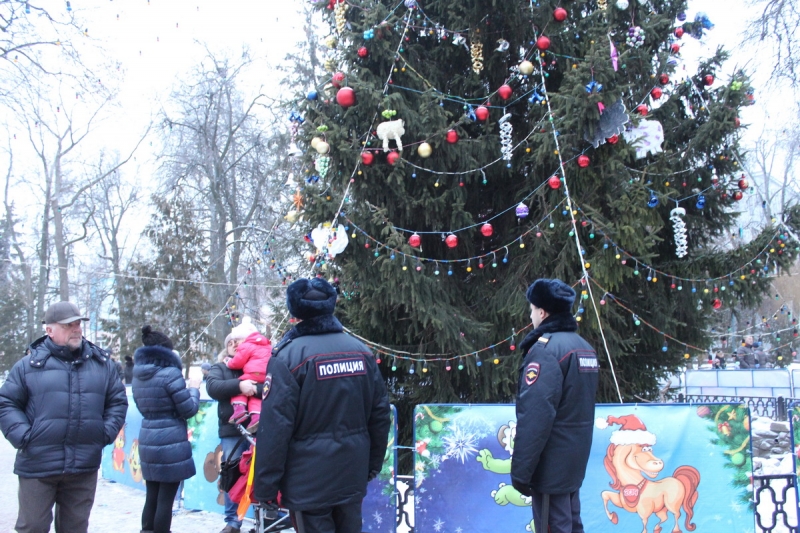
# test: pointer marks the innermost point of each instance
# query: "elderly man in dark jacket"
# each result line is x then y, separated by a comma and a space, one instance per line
59, 407
745, 353
324, 419
555, 410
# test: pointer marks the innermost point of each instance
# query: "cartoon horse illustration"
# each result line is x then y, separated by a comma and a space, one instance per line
628, 460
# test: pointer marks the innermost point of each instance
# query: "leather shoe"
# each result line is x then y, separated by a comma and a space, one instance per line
230, 529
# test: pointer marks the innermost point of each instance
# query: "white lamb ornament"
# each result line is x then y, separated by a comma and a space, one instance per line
392, 129
646, 137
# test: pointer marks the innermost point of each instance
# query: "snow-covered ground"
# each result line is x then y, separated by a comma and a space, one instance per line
117, 508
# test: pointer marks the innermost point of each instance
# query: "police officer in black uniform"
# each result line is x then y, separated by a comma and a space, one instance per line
324, 418
555, 410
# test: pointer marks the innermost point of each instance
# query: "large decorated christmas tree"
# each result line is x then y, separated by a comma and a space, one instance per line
464, 149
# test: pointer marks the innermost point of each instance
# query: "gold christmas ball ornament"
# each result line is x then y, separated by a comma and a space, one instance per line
526, 68
314, 142
424, 150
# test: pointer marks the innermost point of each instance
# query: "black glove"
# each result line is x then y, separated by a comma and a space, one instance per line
270, 510
522, 488
372, 475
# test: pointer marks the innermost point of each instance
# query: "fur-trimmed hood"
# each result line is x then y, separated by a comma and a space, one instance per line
157, 356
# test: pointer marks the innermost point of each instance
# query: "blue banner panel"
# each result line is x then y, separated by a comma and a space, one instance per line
690, 472
121, 459
121, 464
379, 510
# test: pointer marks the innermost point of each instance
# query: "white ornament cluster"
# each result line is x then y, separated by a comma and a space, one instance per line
506, 129
679, 229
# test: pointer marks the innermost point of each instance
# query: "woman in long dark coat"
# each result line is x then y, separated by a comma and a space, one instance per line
165, 403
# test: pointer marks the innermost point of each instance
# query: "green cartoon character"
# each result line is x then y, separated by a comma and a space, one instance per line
505, 494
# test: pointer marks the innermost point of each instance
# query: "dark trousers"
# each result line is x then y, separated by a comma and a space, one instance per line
563, 513
157, 512
72, 494
339, 519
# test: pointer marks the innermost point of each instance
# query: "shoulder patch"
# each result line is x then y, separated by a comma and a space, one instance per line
267, 387
587, 361
543, 340
531, 373
341, 368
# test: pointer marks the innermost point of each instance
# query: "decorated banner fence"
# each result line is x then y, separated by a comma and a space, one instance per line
692, 474
121, 464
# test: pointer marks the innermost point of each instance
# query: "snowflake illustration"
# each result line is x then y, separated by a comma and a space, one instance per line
377, 517
459, 530
434, 461
460, 445
437, 526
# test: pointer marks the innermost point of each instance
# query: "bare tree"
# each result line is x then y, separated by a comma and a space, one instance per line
223, 146
772, 162
778, 26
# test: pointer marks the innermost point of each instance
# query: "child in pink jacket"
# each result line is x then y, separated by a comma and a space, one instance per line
252, 357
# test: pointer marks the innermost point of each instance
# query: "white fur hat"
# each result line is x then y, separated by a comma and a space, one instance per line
241, 332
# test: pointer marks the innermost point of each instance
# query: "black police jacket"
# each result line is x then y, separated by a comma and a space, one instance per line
60, 408
555, 409
324, 419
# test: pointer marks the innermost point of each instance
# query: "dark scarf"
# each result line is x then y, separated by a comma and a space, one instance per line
64, 352
313, 326
551, 324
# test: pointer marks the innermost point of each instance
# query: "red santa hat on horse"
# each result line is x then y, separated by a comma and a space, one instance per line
631, 431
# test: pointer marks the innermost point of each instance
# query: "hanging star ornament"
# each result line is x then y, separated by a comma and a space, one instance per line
297, 200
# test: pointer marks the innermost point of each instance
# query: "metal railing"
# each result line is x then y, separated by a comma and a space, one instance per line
774, 408
775, 500
404, 499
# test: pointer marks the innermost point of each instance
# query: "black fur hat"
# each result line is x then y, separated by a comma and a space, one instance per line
552, 295
151, 337
307, 298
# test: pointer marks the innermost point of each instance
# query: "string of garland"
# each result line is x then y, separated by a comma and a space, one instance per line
421, 259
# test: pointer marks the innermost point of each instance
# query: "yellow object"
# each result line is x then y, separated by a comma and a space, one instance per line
245, 502
526, 68
424, 150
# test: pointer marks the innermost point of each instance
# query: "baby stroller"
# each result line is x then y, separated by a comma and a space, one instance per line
266, 522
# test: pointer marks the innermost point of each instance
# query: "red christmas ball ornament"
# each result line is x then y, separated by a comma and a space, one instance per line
487, 230
657, 93
337, 79
613, 139
675, 48
663, 79
363, 52
560, 14
505, 92
367, 158
451, 241
743, 185
346, 97
678, 32
738, 195
737, 122
708, 79
554, 182
481, 113
714, 180
414, 240
543, 43
717, 303
641, 109
583, 161
451, 136
393, 157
